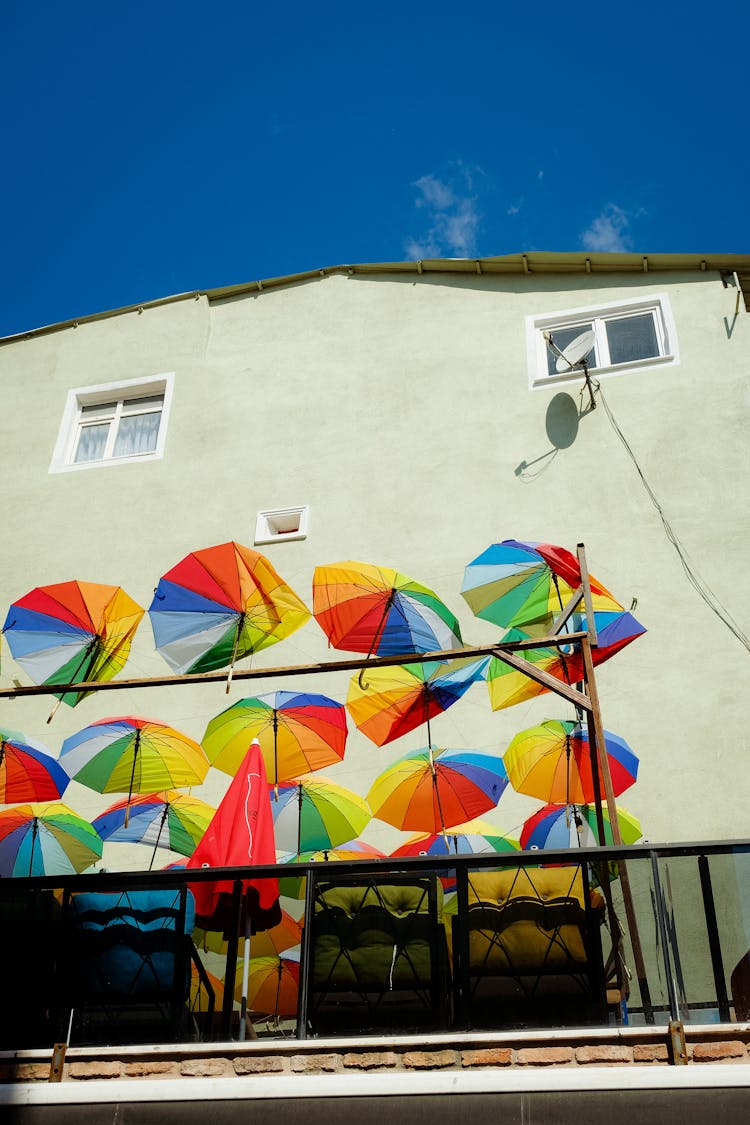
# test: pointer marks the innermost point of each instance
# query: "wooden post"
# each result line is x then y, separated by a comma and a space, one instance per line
596, 729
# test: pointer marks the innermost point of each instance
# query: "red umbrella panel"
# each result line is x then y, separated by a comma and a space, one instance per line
27, 770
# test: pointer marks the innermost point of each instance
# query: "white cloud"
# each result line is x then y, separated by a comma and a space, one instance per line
450, 215
607, 231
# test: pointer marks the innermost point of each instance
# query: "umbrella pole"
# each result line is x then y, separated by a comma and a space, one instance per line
34, 834
245, 971
275, 753
136, 747
235, 646
439, 803
377, 636
158, 834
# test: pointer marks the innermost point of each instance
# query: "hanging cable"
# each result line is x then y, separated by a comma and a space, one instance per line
694, 578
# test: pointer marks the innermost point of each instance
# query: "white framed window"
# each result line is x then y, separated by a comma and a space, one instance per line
625, 336
279, 524
114, 424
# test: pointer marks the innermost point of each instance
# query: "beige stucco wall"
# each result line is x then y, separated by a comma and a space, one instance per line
399, 410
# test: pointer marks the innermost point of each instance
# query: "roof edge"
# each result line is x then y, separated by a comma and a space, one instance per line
530, 262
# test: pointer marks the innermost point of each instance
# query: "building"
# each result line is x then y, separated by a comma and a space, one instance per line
411, 414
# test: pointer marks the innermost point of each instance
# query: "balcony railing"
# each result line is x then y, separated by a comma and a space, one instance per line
599, 938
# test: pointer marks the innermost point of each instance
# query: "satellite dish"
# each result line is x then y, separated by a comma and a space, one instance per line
575, 352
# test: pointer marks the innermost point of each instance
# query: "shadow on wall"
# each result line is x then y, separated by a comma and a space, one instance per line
561, 424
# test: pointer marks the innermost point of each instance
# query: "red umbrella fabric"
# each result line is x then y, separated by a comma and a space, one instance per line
240, 834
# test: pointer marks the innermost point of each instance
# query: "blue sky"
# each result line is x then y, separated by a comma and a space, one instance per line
161, 147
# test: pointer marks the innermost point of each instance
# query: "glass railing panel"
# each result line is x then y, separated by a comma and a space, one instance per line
707, 934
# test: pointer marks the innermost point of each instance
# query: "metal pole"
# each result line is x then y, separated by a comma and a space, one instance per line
714, 941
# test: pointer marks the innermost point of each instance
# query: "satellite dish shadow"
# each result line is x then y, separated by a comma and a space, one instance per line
562, 430
562, 421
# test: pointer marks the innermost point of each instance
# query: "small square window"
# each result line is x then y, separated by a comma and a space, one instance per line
282, 523
637, 334
113, 423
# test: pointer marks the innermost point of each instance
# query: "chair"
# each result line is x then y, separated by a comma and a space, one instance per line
528, 949
126, 964
29, 928
378, 955
739, 983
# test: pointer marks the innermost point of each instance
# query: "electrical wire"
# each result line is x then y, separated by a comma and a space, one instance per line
694, 578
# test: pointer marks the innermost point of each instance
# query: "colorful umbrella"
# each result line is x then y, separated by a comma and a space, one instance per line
220, 604
314, 814
477, 837
376, 610
46, 839
273, 986
162, 820
133, 755
552, 761
507, 686
393, 701
431, 790
297, 731
574, 826
526, 584
286, 935
294, 887
72, 632
27, 772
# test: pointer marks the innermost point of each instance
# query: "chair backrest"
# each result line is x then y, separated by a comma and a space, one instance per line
129, 947
545, 884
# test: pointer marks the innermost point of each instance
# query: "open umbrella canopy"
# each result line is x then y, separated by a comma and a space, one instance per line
386, 703
477, 837
294, 886
46, 839
507, 686
314, 814
297, 731
220, 604
72, 632
273, 985
431, 790
574, 826
27, 770
131, 754
162, 820
552, 761
526, 584
374, 609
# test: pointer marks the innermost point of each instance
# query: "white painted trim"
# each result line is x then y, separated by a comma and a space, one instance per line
106, 392
559, 1079
265, 521
536, 358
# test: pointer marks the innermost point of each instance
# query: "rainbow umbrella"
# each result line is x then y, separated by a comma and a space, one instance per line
575, 826
389, 702
268, 943
133, 755
477, 837
507, 686
516, 584
298, 732
552, 761
294, 887
72, 632
220, 604
162, 820
46, 839
376, 610
314, 813
431, 790
27, 771
273, 986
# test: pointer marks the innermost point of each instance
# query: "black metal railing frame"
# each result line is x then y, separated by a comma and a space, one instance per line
595, 858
